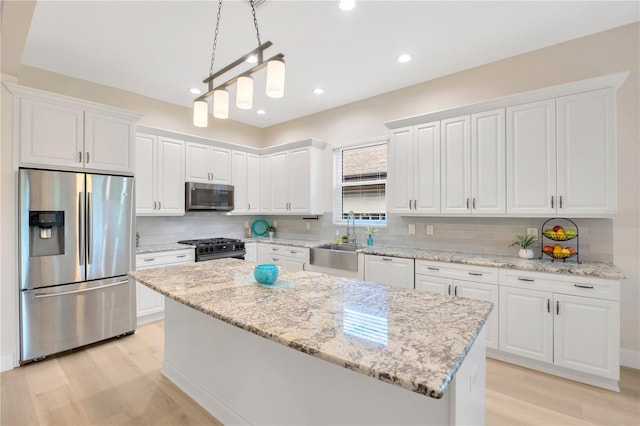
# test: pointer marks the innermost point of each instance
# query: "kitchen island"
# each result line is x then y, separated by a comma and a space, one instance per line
318, 349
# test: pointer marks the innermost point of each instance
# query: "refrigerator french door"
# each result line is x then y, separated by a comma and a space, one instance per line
76, 239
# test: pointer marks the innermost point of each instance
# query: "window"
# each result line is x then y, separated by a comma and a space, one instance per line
360, 183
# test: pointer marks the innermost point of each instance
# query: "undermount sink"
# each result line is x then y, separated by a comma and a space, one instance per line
335, 256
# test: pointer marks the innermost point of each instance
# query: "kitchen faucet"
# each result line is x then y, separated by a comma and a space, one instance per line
351, 228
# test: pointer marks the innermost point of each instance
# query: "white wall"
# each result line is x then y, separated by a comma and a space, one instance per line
599, 54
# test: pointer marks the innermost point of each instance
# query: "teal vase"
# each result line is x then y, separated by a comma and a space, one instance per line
370, 240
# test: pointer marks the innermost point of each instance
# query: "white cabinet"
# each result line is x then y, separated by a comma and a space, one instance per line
159, 176
251, 250
571, 322
586, 154
286, 256
473, 282
266, 184
296, 181
456, 165
207, 164
150, 303
246, 182
62, 132
394, 271
414, 160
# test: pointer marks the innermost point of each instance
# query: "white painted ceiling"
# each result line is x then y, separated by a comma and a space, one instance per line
162, 48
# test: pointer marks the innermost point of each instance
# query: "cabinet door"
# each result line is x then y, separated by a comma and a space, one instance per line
433, 284
394, 271
488, 187
587, 335
531, 159
197, 163
108, 143
266, 184
280, 181
146, 174
489, 293
586, 153
300, 180
239, 181
220, 165
148, 301
253, 183
526, 323
251, 252
401, 174
426, 168
456, 165
51, 134
170, 180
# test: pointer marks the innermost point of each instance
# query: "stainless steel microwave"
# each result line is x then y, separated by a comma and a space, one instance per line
208, 196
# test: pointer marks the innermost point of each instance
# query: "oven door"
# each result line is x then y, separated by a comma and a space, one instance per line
207, 196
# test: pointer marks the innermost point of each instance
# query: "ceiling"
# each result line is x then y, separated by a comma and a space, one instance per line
161, 49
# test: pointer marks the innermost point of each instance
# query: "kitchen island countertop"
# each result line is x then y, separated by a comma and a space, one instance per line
416, 340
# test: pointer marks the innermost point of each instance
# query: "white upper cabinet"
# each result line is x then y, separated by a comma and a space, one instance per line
159, 176
414, 160
488, 186
266, 200
246, 182
253, 183
531, 159
207, 164
456, 165
586, 154
280, 182
66, 133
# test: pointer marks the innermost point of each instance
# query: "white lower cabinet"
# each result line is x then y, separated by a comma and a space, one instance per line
472, 282
287, 256
150, 303
394, 271
251, 250
570, 322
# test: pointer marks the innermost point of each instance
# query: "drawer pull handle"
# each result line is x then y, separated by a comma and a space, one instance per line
275, 259
293, 252
431, 268
449, 290
529, 280
583, 286
475, 274
388, 259
274, 249
182, 255
149, 259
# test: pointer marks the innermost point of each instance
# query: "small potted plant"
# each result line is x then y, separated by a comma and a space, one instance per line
271, 230
370, 231
525, 242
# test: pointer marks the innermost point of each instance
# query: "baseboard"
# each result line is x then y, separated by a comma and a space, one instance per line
7, 361
145, 319
630, 358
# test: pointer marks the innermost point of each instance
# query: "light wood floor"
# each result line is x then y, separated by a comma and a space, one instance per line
119, 382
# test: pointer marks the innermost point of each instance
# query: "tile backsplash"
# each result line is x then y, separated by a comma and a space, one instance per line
473, 235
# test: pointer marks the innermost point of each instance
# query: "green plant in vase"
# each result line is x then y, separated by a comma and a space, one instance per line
370, 231
525, 242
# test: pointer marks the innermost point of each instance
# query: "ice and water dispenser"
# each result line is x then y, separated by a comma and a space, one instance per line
46, 233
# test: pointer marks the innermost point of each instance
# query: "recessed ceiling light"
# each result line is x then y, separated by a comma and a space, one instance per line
346, 4
252, 59
261, 112
404, 58
318, 90
195, 90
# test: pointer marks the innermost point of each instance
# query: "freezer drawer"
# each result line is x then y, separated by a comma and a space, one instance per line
59, 318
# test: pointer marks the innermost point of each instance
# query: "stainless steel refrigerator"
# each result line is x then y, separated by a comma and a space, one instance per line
76, 239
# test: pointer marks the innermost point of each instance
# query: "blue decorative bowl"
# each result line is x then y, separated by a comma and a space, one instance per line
266, 273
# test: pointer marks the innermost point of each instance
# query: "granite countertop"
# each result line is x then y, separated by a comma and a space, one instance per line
413, 339
585, 269
156, 248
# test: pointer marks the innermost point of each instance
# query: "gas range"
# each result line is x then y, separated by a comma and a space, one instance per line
216, 248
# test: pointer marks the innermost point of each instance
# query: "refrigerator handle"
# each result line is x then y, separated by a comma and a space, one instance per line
89, 224
80, 230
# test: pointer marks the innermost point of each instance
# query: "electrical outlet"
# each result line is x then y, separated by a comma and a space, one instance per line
246, 224
412, 229
429, 229
532, 231
308, 226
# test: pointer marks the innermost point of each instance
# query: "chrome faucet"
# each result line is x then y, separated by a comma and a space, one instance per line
351, 228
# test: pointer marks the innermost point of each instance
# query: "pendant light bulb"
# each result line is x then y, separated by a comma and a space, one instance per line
200, 113
221, 104
275, 78
244, 92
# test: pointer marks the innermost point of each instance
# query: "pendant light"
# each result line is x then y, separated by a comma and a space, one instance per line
244, 90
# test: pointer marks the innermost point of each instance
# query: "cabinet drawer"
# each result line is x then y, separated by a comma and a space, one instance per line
150, 260
480, 274
300, 253
564, 284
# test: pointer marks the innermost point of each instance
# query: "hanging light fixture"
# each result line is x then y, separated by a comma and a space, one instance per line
244, 90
